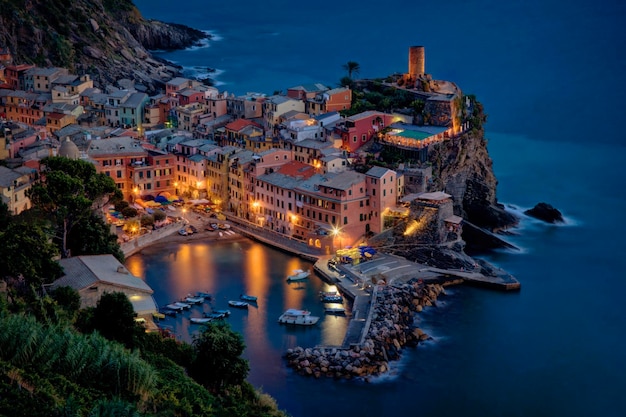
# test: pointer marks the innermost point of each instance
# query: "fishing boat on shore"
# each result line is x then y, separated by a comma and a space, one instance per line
298, 317
298, 275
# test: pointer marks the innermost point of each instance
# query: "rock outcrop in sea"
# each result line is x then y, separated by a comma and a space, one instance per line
545, 212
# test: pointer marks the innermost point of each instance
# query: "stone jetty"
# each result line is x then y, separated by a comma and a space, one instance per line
391, 329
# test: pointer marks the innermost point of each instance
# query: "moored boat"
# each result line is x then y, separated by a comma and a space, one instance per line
174, 307
298, 275
184, 306
193, 300
158, 316
299, 317
335, 310
238, 304
205, 295
200, 320
248, 298
331, 298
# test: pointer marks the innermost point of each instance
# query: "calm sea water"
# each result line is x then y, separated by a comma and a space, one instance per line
551, 77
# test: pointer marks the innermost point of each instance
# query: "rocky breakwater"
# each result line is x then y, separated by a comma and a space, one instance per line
392, 328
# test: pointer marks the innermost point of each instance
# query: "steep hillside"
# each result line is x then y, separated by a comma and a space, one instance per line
108, 39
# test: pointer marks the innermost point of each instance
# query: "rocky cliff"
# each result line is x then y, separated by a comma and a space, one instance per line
107, 39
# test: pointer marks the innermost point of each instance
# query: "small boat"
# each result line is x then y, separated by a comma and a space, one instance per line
238, 304
215, 315
158, 316
184, 306
205, 295
299, 317
335, 310
174, 307
248, 298
193, 300
298, 275
226, 313
168, 312
331, 298
328, 293
200, 320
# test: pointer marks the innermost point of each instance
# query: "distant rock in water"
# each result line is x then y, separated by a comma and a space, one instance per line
545, 212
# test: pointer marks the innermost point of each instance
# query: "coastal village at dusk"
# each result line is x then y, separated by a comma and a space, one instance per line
292, 162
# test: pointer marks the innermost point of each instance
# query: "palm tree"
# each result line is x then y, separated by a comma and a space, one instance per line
352, 68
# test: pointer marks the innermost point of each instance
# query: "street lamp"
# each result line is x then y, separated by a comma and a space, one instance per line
336, 232
184, 211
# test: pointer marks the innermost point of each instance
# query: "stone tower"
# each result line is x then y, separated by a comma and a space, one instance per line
417, 62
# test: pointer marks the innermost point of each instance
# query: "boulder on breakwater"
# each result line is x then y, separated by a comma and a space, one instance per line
391, 329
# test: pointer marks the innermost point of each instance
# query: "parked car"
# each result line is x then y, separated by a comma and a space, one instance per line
182, 232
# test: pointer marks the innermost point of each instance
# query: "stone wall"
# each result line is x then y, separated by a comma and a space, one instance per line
140, 242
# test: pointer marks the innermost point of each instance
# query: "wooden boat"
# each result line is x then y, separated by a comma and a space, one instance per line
298, 275
248, 298
335, 310
238, 304
200, 320
298, 317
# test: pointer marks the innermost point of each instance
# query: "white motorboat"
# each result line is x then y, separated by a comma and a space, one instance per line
298, 275
299, 317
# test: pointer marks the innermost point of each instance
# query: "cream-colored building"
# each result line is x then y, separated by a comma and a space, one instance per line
94, 275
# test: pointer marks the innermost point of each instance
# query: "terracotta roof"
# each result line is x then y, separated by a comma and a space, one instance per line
297, 169
239, 124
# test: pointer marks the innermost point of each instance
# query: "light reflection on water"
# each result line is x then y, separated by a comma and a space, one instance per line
227, 270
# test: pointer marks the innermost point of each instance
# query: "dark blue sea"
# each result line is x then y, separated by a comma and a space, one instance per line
551, 75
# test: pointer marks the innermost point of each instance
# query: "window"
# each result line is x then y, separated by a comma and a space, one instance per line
354, 138
345, 220
119, 174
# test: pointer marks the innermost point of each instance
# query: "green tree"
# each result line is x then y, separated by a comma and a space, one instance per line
93, 236
26, 252
68, 300
68, 192
159, 215
218, 363
114, 318
352, 68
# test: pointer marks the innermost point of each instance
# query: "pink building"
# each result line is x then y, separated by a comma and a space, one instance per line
359, 129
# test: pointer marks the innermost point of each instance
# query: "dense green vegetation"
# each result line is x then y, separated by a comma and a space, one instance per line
59, 360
